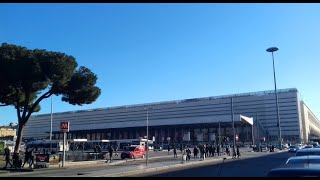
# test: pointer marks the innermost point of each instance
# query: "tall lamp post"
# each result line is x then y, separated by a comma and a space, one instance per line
233, 129
51, 121
273, 49
147, 154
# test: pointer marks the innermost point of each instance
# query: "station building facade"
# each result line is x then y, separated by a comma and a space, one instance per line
198, 120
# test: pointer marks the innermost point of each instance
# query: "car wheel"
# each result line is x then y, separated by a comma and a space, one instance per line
122, 156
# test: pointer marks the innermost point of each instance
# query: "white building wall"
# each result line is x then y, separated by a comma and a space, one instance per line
197, 110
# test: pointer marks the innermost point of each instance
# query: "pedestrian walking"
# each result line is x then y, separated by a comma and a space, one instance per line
227, 150
188, 154
26, 157
168, 149
238, 152
195, 152
7, 154
110, 153
175, 152
218, 150
31, 161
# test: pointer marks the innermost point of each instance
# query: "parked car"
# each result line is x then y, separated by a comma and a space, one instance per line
134, 151
304, 160
308, 151
296, 170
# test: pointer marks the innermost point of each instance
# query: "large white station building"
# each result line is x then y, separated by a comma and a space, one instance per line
204, 119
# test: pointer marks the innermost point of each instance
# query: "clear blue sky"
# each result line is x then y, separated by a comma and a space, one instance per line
145, 53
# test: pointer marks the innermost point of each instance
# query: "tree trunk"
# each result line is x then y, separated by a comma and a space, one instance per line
19, 138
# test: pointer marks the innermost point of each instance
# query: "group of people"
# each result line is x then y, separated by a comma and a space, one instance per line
16, 160
112, 149
206, 150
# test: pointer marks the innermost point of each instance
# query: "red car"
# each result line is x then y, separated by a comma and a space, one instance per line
134, 151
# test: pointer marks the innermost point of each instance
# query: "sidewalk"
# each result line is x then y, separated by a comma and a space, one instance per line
154, 166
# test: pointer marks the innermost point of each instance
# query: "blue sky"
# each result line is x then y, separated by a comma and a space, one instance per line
145, 53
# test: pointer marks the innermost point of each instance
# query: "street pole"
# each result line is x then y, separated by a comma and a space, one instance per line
272, 49
219, 134
258, 132
51, 121
252, 133
234, 131
51, 126
147, 153
64, 149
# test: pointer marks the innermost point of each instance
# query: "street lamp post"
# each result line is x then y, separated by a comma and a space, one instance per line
51, 121
273, 49
233, 129
147, 153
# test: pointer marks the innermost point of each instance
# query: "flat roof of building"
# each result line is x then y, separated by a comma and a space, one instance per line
258, 93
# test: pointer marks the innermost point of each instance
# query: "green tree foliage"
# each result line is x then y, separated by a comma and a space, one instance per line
29, 76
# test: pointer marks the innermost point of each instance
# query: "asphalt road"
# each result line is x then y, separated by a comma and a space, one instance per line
251, 164
90, 169
257, 166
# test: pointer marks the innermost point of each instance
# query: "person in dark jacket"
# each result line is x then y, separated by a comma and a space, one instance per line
26, 157
32, 154
175, 152
195, 152
227, 150
238, 152
7, 154
188, 154
110, 153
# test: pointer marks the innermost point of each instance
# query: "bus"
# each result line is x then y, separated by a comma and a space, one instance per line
42, 146
122, 143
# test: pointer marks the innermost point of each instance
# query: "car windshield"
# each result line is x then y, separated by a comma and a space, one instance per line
130, 148
292, 146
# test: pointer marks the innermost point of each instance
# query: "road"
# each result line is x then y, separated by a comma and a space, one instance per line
261, 162
248, 166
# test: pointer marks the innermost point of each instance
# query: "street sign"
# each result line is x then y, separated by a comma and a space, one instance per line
64, 126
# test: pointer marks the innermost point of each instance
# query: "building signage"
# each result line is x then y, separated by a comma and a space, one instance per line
64, 126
